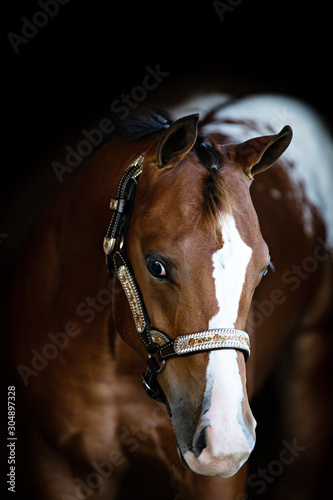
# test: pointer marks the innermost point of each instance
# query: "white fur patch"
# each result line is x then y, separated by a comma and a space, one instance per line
229, 441
230, 264
310, 153
227, 431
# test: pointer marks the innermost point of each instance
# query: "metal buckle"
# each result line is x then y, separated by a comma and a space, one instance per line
108, 245
157, 392
151, 393
162, 365
113, 204
120, 208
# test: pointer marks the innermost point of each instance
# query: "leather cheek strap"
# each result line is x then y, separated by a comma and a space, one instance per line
154, 340
135, 300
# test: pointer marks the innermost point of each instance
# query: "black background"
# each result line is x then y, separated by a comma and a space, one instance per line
87, 55
90, 53
66, 76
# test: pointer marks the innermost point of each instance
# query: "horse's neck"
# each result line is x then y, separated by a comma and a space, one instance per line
62, 273
80, 222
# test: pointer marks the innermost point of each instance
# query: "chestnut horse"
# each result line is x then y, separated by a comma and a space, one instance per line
184, 301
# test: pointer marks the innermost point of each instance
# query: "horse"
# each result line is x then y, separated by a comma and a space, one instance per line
216, 261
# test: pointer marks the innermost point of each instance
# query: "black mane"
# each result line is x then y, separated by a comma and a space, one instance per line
216, 195
144, 122
207, 154
147, 121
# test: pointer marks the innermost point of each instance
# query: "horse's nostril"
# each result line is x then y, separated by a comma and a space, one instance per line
200, 443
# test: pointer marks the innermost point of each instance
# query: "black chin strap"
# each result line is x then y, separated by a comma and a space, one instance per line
158, 344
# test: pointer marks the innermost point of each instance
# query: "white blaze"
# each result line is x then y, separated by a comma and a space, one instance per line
228, 439
230, 264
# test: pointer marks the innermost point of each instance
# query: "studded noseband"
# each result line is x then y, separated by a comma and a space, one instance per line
155, 341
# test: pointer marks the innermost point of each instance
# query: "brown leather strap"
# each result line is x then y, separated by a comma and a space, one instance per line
154, 340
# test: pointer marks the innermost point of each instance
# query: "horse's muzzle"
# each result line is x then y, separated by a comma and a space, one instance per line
207, 458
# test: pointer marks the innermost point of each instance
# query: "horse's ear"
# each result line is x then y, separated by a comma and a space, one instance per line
177, 140
256, 155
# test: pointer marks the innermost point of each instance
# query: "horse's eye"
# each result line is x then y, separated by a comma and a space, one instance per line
156, 268
269, 265
265, 271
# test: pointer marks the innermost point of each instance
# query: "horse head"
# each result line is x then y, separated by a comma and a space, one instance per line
197, 253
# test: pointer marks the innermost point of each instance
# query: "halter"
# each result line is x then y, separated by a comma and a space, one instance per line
154, 340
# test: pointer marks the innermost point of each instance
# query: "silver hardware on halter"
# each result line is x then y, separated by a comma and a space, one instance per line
133, 298
212, 339
108, 245
154, 340
161, 368
121, 243
118, 205
207, 340
113, 204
